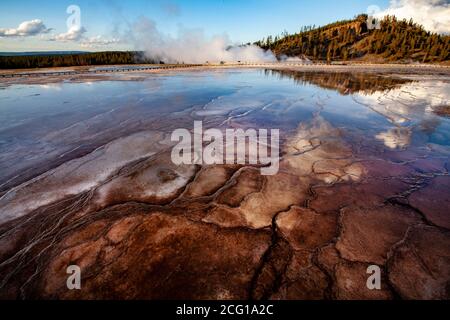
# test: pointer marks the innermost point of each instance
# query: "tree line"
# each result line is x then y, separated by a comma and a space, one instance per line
67, 60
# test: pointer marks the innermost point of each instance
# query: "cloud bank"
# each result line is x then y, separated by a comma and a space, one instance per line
190, 46
98, 41
26, 28
78, 34
434, 15
75, 33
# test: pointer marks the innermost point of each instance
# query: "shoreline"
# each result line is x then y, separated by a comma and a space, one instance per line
140, 72
157, 67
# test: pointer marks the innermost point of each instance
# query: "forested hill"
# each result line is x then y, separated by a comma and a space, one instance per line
396, 40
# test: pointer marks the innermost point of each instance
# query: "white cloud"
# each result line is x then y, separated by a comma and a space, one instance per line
75, 33
98, 41
26, 28
434, 15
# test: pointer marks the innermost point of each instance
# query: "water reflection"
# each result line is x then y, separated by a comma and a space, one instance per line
42, 126
418, 109
396, 137
344, 82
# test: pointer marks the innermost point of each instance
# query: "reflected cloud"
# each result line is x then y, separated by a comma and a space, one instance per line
317, 148
51, 86
396, 138
410, 103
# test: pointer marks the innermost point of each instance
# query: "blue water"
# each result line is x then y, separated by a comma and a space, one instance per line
40, 124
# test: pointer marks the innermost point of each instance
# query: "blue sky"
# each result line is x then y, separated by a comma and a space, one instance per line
241, 20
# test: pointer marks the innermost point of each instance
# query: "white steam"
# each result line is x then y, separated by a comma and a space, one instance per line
192, 46
434, 15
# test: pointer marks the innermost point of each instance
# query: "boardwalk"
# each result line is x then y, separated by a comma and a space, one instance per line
96, 71
304, 65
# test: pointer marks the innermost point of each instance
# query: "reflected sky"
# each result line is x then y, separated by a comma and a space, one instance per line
42, 126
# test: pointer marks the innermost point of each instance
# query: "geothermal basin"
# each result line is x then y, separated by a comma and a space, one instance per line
87, 180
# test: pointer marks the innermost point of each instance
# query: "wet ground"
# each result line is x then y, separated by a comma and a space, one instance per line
87, 179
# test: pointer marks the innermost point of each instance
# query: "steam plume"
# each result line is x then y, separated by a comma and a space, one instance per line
192, 46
